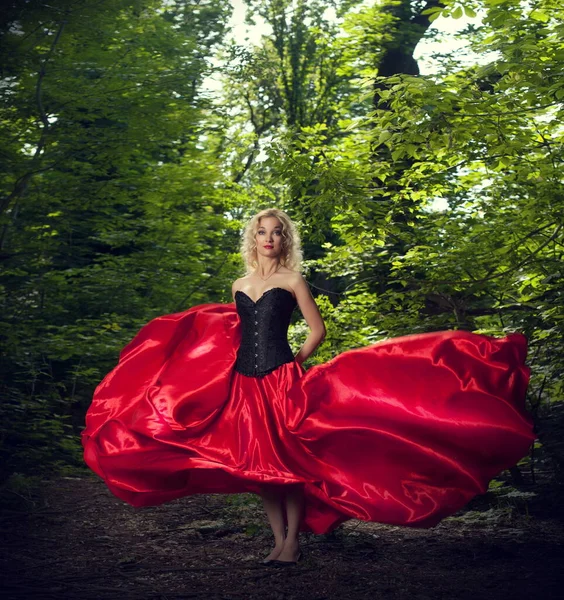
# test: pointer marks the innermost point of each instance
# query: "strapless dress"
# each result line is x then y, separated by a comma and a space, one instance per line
405, 431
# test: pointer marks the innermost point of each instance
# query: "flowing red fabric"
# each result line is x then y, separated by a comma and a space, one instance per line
405, 431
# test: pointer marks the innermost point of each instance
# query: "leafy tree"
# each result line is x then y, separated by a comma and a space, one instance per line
483, 141
111, 204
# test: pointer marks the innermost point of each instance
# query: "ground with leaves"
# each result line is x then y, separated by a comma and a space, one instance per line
79, 541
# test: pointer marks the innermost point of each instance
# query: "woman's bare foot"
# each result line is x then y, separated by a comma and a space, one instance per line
276, 551
290, 551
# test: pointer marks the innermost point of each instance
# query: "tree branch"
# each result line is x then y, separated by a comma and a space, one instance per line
22, 183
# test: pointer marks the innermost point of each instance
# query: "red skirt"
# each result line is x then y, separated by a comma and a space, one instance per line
405, 431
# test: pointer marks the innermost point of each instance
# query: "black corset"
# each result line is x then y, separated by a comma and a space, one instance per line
264, 331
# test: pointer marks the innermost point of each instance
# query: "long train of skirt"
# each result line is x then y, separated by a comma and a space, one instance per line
405, 431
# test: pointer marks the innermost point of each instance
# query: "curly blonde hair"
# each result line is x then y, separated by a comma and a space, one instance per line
291, 256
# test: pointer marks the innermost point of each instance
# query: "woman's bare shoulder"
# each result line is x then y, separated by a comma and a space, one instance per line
236, 285
293, 278
291, 274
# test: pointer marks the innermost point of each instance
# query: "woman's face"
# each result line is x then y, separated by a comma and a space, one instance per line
269, 237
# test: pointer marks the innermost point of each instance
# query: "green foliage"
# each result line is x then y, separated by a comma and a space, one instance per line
445, 198
111, 204
425, 201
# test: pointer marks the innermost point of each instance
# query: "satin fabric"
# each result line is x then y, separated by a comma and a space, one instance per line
405, 431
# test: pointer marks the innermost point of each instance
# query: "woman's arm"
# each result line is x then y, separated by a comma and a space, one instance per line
312, 317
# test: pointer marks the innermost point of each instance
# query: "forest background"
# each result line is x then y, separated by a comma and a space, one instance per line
425, 201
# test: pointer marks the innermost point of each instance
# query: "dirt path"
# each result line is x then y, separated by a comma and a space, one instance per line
82, 542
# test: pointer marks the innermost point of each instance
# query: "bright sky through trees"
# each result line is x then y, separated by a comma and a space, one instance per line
447, 41
444, 37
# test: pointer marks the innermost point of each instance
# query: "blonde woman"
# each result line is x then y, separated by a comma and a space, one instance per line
267, 295
213, 400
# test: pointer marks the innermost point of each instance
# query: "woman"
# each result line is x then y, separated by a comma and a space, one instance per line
212, 400
271, 251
